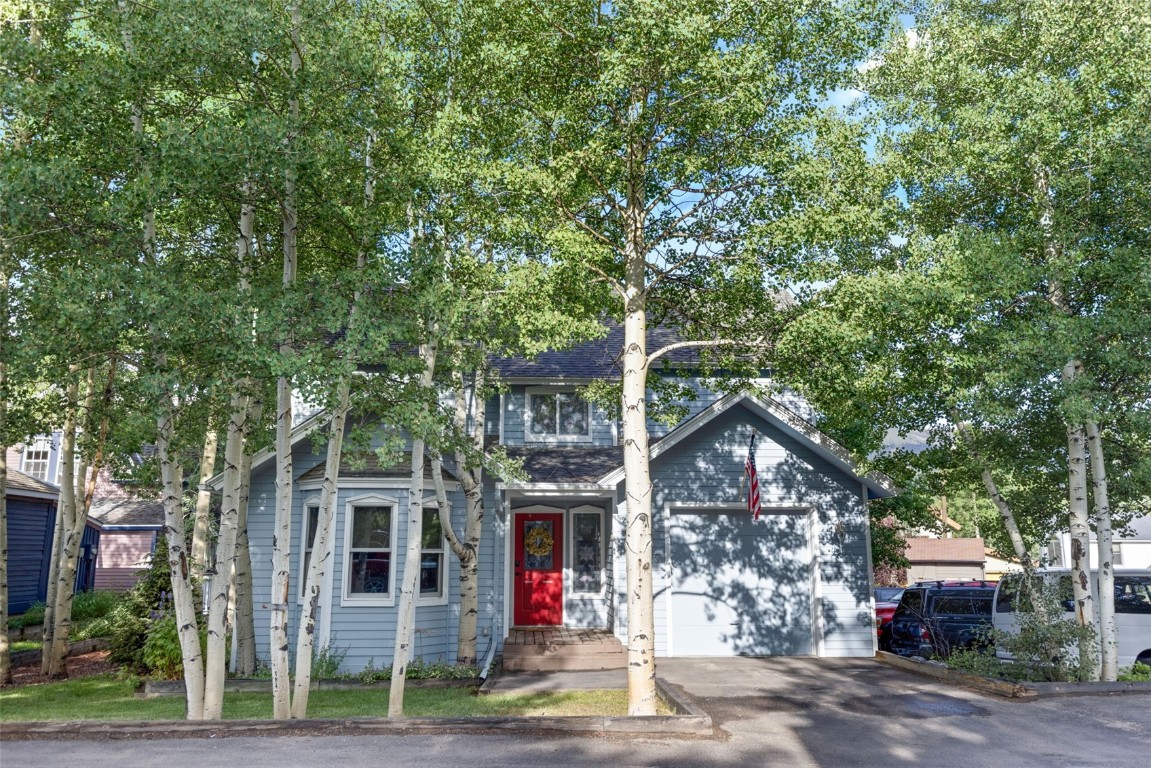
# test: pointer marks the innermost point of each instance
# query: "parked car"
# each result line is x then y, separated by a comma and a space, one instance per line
937, 619
886, 600
1132, 608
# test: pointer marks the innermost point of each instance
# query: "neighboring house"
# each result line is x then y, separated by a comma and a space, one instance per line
932, 558
32, 506
131, 525
1131, 546
797, 582
38, 458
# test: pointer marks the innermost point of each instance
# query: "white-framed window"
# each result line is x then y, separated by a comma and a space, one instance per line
37, 457
308, 539
369, 550
557, 415
587, 555
433, 565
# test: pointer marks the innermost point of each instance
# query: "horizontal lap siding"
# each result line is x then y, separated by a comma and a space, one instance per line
367, 632
707, 468
29, 549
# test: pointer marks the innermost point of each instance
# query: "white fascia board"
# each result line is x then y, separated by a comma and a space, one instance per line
556, 489
305, 428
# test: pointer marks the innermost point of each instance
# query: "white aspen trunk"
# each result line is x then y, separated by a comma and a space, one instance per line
405, 627
1108, 642
72, 529
50, 598
243, 622
322, 554
1079, 526
5, 657
245, 625
183, 602
225, 561
200, 534
1077, 511
282, 538
641, 694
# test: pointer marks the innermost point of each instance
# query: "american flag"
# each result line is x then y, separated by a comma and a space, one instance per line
752, 481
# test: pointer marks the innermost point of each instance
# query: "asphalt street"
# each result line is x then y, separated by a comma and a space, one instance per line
768, 712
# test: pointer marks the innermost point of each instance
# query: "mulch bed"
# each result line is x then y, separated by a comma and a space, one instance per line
83, 665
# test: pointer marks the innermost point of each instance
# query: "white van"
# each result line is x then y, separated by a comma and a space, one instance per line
1132, 608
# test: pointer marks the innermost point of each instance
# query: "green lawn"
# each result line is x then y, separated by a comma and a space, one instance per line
108, 697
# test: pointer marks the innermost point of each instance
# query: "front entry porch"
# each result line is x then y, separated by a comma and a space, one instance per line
554, 649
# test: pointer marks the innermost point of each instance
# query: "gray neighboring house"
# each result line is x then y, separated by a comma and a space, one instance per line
797, 582
1131, 546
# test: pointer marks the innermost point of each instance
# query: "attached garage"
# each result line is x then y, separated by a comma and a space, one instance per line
739, 587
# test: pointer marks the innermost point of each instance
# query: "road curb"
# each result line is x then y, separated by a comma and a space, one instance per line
690, 721
1006, 688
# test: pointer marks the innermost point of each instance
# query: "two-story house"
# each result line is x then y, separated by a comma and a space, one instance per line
797, 581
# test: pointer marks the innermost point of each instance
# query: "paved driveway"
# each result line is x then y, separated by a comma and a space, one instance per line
832, 712
787, 712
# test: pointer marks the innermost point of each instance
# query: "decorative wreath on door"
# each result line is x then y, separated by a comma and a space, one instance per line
538, 541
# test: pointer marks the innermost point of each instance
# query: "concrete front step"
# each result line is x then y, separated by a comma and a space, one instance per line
563, 663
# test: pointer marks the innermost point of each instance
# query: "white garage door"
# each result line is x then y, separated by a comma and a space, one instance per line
740, 588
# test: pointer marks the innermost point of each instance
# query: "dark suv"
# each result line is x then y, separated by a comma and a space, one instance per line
935, 618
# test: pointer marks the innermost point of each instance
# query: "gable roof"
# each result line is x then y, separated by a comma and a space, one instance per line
921, 549
878, 484
129, 513
299, 432
20, 484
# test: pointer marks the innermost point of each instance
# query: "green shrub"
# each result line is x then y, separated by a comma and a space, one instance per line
417, 670
326, 661
94, 605
134, 613
161, 654
1052, 649
1136, 673
30, 618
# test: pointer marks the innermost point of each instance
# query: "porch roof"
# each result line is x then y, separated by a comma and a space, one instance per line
568, 464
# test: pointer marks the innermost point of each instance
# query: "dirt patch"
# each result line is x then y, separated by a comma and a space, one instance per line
83, 665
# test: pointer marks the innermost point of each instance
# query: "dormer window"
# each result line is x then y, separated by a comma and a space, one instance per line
558, 416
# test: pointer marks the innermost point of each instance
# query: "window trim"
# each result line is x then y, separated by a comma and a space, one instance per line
531, 437
301, 574
39, 444
570, 568
347, 597
445, 563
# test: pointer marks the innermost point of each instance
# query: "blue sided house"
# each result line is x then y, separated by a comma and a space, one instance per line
795, 582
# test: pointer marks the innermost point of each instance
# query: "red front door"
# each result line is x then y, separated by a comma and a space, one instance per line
539, 581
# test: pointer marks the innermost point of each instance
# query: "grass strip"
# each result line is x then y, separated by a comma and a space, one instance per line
112, 697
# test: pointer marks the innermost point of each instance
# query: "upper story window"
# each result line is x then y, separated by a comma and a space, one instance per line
37, 457
558, 416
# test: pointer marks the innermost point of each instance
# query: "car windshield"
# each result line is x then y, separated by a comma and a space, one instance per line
888, 594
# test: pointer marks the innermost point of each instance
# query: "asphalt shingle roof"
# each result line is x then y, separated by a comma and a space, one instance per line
567, 465
596, 359
18, 481
128, 511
